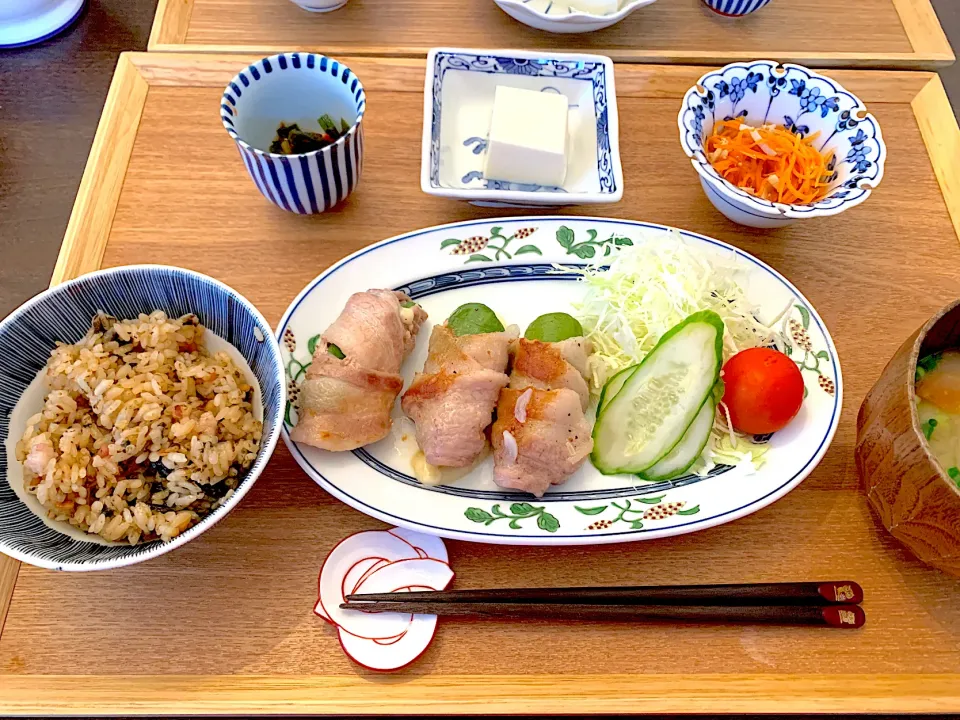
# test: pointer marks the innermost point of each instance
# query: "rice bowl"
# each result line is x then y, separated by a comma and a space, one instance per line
62, 316
143, 432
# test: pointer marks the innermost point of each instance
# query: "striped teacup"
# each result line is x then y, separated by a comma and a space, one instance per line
297, 87
735, 8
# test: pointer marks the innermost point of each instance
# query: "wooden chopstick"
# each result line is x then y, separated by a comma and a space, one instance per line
835, 616
798, 593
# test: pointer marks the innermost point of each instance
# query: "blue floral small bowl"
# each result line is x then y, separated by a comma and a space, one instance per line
805, 102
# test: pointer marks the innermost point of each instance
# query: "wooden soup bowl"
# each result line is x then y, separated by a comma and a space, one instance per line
911, 493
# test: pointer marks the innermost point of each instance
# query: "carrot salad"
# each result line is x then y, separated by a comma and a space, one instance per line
769, 161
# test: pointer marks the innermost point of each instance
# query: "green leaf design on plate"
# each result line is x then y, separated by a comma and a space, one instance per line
476, 257
590, 511
522, 509
565, 237
804, 316
824, 355
583, 251
312, 344
479, 516
528, 249
548, 522
620, 241
634, 515
954, 474
518, 512
448, 242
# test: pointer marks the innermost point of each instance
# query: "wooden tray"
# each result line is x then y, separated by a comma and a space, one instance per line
856, 33
224, 624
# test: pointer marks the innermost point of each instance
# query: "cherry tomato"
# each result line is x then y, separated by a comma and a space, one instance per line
763, 389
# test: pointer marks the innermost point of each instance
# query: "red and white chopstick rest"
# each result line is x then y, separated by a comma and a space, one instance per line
380, 561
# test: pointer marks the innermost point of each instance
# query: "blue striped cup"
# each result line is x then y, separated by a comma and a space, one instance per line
735, 8
297, 87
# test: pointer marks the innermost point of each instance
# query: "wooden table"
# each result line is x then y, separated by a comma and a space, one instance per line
224, 624
861, 33
51, 97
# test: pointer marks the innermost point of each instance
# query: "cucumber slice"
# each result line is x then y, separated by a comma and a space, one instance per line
660, 400
685, 453
613, 386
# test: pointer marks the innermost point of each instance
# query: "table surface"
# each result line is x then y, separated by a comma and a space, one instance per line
51, 97
56, 89
868, 33
250, 581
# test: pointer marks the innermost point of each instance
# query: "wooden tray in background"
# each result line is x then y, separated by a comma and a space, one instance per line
224, 624
829, 33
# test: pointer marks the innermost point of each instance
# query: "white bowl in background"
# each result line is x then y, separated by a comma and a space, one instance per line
458, 103
557, 16
25, 22
320, 6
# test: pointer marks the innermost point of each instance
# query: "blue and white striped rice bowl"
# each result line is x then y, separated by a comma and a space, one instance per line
735, 8
63, 313
297, 87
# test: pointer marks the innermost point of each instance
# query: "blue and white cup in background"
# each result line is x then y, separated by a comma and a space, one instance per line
297, 87
735, 8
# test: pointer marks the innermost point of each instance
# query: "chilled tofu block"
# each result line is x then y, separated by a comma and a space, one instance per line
528, 137
596, 7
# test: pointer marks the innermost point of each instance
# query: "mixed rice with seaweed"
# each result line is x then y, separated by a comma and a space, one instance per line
142, 433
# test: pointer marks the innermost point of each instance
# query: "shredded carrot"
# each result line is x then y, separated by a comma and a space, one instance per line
769, 161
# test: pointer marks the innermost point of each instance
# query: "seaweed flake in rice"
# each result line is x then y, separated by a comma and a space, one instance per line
142, 433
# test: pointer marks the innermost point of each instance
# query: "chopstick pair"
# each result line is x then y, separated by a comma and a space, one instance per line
829, 604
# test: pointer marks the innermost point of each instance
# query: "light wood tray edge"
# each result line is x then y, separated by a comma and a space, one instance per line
941, 135
931, 49
92, 217
82, 252
483, 695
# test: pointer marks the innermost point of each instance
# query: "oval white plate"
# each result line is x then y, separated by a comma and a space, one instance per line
508, 265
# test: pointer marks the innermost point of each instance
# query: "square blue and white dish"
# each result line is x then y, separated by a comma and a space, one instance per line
458, 102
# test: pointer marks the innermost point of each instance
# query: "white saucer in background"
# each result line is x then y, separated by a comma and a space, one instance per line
24, 22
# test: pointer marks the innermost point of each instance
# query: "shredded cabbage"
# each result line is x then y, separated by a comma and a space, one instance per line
651, 286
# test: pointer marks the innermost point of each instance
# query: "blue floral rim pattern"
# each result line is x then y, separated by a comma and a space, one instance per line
805, 102
592, 72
